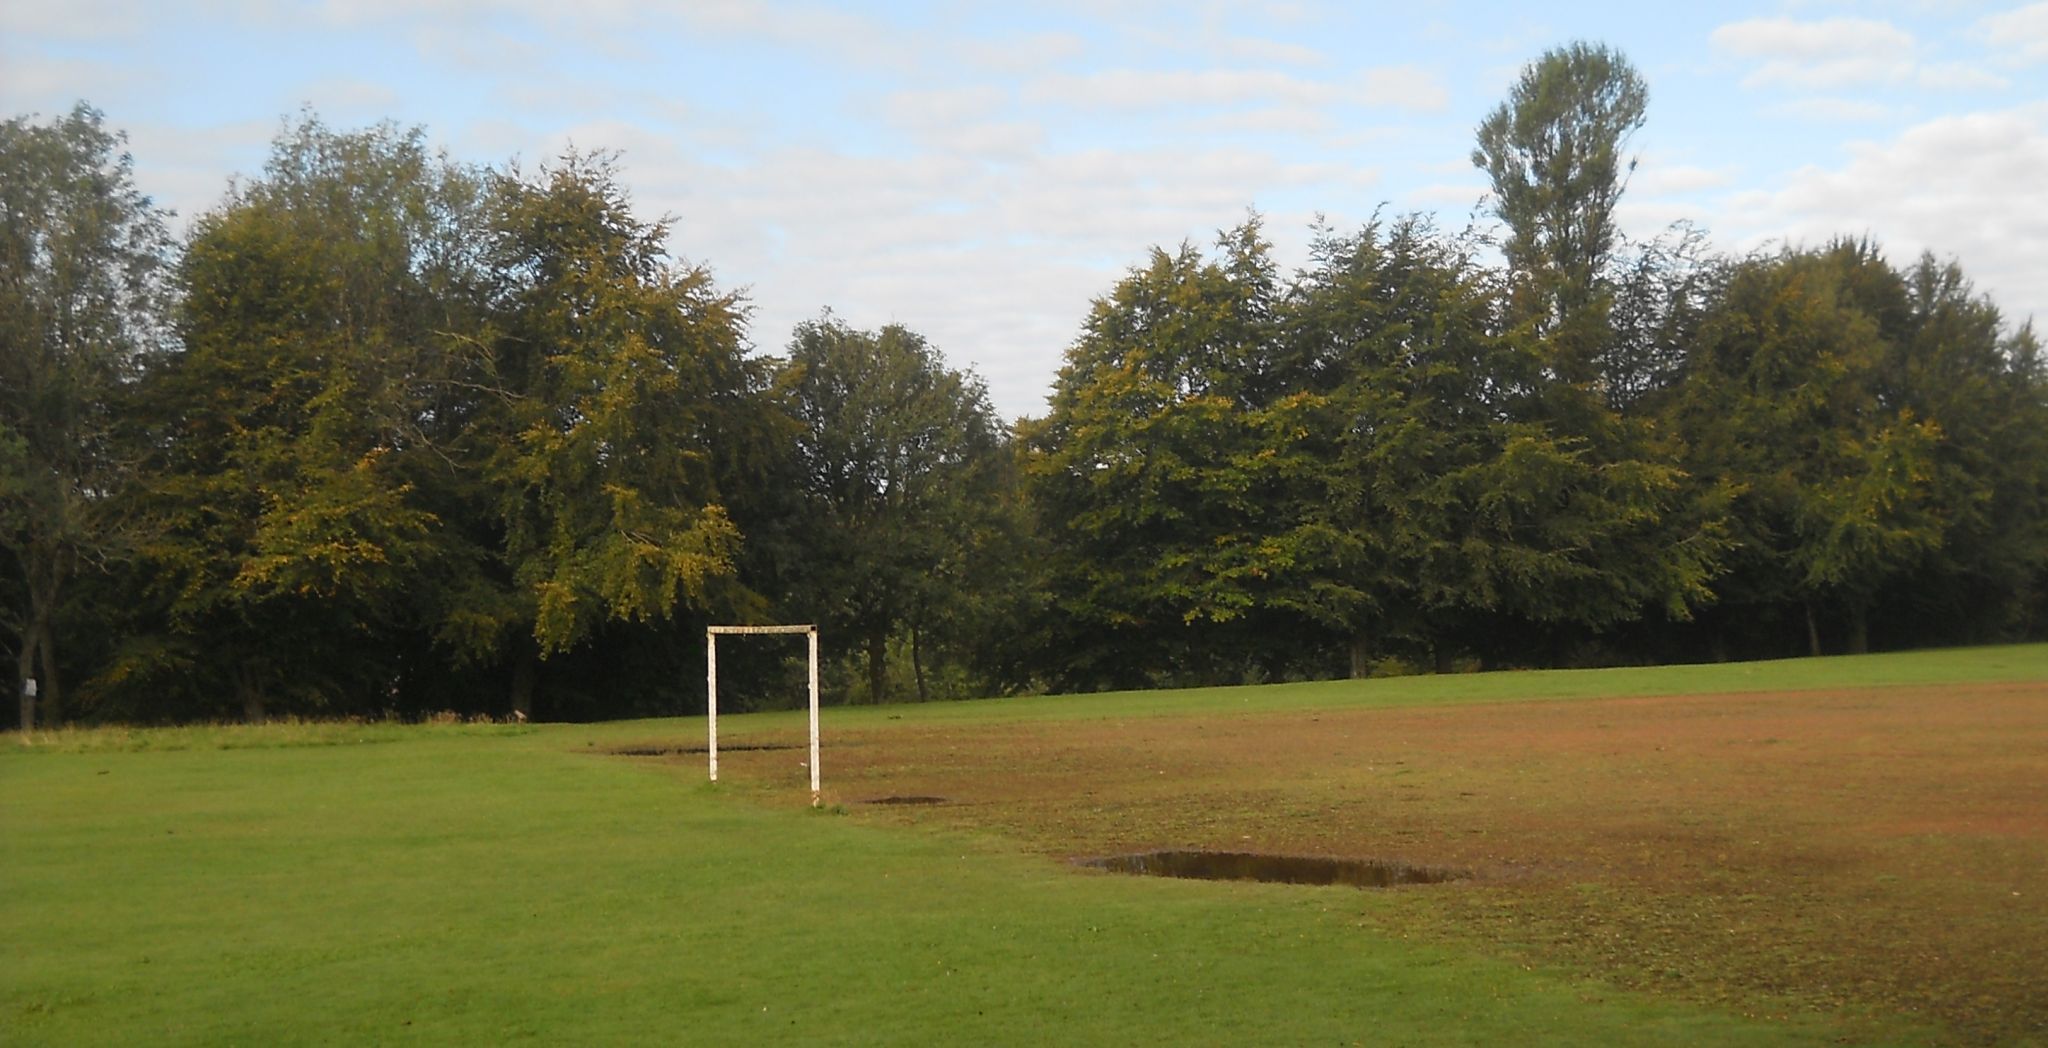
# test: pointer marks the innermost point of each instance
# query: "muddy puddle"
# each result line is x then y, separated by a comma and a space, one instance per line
1274, 869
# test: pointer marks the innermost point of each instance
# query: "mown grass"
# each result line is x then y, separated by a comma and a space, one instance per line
1940, 666
277, 734
490, 884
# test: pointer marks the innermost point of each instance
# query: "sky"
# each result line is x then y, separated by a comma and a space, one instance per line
980, 172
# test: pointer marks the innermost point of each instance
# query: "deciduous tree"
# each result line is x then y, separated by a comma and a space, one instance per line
1553, 151
331, 307
1837, 487
1443, 505
1157, 474
900, 461
622, 391
82, 255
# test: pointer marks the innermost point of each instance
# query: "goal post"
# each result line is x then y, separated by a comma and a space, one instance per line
711, 635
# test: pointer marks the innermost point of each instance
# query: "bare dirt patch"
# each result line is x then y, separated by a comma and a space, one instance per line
1879, 848
699, 749
1272, 869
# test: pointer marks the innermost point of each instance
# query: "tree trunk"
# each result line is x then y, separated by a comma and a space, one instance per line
251, 694
525, 669
1361, 657
878, 643
24, 667
1859, 629
45, 581
1441, 653
917, 664
50, 694
1812, 631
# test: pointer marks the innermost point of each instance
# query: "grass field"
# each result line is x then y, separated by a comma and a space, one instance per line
1778, 853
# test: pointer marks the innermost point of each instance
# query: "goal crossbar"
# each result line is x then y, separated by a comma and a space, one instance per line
711, 635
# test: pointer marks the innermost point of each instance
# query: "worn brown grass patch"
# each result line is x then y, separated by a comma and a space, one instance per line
1881, 848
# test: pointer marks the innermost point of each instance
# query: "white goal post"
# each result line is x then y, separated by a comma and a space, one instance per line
711, 635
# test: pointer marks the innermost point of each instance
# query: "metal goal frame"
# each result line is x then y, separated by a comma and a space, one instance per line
711, 635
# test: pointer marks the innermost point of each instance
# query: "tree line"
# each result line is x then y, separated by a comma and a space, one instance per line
388, 433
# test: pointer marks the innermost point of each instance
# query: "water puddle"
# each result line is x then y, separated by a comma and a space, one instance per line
1275, 869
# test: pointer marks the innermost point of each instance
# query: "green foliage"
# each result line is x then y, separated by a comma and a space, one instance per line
424, 414
1399, 331
1612, 525
436, 436
1158, 471
899, 460
1662, 292
1979, 387
329, 307
1784, 401
82, 253
614, 372
1552, 151
1364, 453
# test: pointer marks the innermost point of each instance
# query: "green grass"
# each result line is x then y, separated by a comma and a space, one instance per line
273, 735
2019, 662
483, 885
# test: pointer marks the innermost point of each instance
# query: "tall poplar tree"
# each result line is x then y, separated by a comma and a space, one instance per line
1593, 481
1553, 152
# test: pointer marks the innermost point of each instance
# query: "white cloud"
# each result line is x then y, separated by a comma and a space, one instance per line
1270, 52
945, 107
475, 49
1158, 89
1828, 40
1026, 53
629, 28
1839, 53
349, 98
1834, 110
1450, 195
50, 86
75, 19
994, 141
1524, 38
185, 170
1834, 52
972, 120
1270, 120
1966, 186
2021, 32
1213, 34
829, 30
1959, 76
1654, 179
1404, 87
